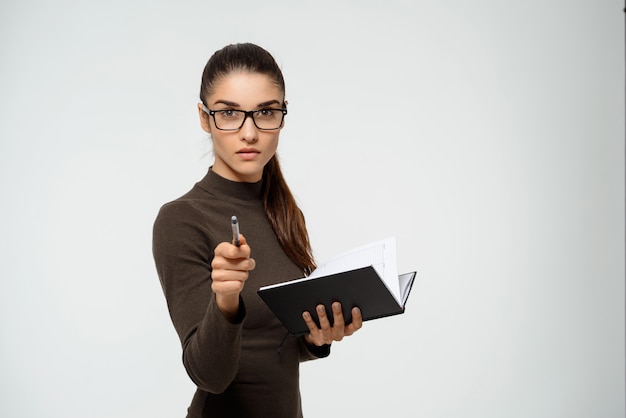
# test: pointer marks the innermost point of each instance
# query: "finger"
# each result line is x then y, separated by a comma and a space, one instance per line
357, 318
241, 264
226, 275
323, 318
357, 322
242, 240
230, 250
251, 264
325, 327
311, 325
338, 321
338, 329
227, 287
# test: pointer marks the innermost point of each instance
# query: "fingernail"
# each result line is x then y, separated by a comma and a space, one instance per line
320, 309
336, 306
306, 315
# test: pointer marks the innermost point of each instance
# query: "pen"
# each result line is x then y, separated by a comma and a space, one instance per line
234, 223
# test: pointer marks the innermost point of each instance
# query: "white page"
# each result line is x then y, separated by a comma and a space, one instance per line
404, 280
380, 254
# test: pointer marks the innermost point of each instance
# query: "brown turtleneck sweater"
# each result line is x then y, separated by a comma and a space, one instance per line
235, 365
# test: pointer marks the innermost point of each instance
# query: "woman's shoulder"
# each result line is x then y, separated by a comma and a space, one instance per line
188, 202
184, 219
187, 207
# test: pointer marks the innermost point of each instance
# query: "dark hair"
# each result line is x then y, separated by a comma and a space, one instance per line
239, 57
281, 208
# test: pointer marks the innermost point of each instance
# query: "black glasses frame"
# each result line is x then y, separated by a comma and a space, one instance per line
247, 113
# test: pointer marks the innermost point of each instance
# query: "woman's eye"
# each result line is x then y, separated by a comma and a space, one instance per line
229, 113
265, 113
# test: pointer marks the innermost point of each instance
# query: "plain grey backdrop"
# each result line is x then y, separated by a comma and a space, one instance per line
487, 136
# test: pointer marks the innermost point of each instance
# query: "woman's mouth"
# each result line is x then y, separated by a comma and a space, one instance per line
248, 154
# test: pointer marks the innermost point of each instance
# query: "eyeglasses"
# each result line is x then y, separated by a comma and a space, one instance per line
233, 120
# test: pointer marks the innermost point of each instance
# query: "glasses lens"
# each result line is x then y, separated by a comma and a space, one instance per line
228, 119
268, 118
263, 119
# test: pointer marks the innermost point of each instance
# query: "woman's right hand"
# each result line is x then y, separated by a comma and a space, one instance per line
230, 265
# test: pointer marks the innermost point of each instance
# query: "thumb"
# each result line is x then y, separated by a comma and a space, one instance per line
242, 240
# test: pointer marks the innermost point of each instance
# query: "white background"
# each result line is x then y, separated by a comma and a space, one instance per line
487, 136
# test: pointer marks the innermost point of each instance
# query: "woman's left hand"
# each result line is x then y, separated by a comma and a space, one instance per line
325, 334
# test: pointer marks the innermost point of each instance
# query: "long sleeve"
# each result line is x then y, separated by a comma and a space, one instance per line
183, 252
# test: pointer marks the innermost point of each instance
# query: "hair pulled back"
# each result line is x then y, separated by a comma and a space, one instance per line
236, 58
281, 208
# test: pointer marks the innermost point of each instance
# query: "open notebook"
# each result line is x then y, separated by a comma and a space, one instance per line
365, 277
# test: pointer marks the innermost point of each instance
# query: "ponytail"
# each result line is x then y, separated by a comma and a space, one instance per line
286, 217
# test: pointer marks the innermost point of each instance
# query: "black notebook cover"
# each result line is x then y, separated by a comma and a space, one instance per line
361, 287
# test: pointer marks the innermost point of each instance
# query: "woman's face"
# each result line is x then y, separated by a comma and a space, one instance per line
241, 155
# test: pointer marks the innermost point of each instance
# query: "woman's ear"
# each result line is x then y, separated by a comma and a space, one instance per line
285, 103
204, 119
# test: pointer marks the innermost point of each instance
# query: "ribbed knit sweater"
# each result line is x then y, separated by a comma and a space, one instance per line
234, 364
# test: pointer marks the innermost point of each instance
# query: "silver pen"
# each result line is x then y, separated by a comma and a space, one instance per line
234, 223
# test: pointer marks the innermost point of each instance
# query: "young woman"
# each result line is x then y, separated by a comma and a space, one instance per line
229, 337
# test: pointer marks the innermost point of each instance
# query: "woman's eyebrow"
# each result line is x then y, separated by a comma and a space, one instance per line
234, 104
269, 102
227, 103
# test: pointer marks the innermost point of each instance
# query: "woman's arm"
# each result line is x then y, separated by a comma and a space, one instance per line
210, 335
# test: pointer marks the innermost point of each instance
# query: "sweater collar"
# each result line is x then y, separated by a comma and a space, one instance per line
217, 184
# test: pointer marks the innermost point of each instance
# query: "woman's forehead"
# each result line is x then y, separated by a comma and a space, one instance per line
244, 87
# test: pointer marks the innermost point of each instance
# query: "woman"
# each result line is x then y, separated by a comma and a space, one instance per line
229, 337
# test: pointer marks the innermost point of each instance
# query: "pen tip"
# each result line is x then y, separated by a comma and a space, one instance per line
233, 219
